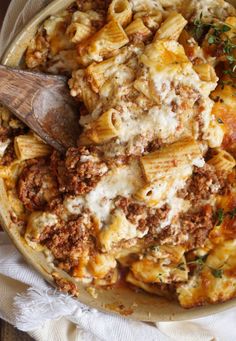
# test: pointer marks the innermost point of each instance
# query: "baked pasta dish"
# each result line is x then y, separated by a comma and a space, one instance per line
147, 198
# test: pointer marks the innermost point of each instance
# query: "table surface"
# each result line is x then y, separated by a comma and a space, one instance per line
7, 332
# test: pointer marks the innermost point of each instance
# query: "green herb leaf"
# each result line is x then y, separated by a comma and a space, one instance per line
200, 27
231, 59
226, 28
159, 276
198, 261
220, 216
218, 38
211, 40
217, 273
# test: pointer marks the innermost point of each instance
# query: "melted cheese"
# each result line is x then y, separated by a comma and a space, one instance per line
123, 181
159, 122
38, 221
119, 229
145, 5
51, 25
213, 8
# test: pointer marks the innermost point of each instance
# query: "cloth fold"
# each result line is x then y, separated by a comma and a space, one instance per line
30, 304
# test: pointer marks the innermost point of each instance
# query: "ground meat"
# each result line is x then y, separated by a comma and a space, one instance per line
156, 216
187, 92
37, 186
65, 285
192, 230
73, 7
141, 215
204, 182
171, 234
4, 133
96, 5
154, 145
135, 213
174, 106
197, 226
68, 240
80, 172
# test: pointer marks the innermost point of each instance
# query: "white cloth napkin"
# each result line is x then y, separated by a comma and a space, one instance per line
30, 304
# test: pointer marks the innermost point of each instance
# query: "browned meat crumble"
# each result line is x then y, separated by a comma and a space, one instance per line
37, 186
145, 217
204, 182
78, 174
65, 285
68, 240
191, 230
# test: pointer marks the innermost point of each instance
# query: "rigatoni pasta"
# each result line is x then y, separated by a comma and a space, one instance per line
30, 147
82, 90
170, 160
97, 73
137, 28
105, 127
78, 32
206, 72
150, 288
172, 27
222, 161
121, 11
110, 38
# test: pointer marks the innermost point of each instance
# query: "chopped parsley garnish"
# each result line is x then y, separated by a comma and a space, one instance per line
200, 28
220, 216
216, 36
217, 273
198, 261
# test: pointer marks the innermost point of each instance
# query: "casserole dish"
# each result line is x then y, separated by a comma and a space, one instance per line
139, 306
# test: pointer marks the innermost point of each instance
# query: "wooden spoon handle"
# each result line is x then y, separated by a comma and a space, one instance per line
16, 92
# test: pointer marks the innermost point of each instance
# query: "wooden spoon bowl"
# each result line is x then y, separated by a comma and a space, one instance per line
43, 103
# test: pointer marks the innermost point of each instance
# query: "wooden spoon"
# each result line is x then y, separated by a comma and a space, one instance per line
43, 103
